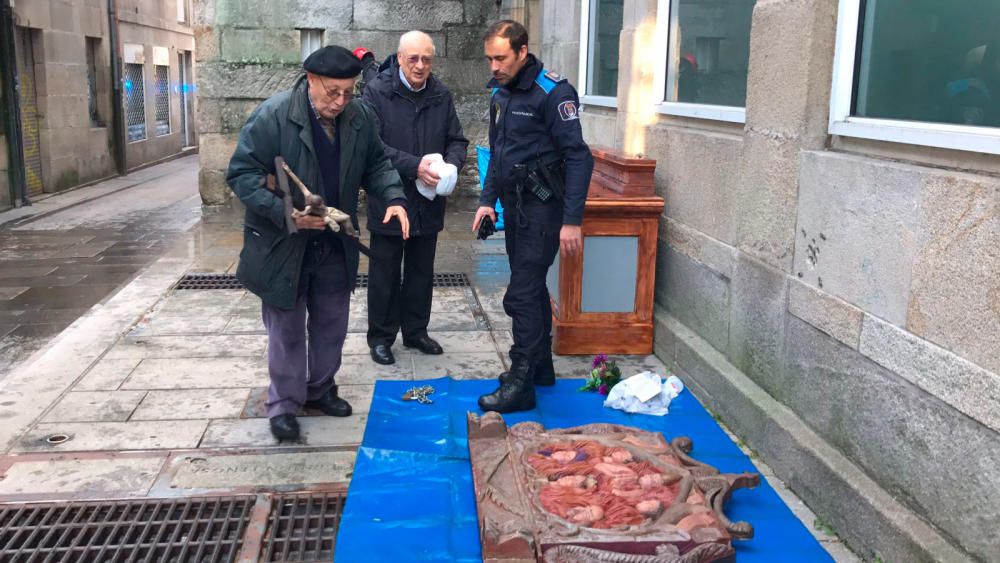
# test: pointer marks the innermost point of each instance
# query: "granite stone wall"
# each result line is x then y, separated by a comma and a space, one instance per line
248, 50
835, 301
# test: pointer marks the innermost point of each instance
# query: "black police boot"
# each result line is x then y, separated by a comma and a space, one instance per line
285, 427
545, 372
516, 392
331, 404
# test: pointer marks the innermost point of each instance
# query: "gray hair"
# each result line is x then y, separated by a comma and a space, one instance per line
412, 36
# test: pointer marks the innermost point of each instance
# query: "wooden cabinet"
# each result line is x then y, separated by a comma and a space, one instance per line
602, 299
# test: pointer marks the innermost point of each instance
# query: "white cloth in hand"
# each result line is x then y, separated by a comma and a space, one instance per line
447, 174
644, 393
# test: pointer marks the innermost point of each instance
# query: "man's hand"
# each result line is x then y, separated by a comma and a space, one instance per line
399, 212
425, 175
483, 211
305, 221
570, 240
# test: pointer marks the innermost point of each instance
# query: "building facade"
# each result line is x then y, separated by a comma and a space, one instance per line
68, 88
828, 276
247, 51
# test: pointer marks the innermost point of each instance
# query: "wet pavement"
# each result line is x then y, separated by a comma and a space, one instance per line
58, 260
157, 392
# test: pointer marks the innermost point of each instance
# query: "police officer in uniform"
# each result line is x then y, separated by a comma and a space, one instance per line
540, 168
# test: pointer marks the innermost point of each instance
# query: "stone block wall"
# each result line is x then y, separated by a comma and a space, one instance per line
74, 150
248, 51
838, 307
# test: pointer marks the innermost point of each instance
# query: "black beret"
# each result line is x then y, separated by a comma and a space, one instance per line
333, 61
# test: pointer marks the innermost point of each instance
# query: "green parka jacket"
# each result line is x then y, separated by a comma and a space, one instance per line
271, 260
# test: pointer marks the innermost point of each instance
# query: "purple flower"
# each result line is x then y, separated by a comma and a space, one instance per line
598, 360
603, 389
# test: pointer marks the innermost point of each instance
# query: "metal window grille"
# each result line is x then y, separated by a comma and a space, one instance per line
135, 102
162, 76
93, 47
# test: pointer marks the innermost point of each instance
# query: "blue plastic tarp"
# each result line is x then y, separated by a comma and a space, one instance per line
411, 496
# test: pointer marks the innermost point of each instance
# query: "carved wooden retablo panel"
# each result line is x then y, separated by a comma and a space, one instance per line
598, 493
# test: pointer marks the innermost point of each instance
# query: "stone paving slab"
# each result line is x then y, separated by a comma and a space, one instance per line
198, 373
273, 470
41, 380
459, 365
206, 346
316, 431
186, 404
164, 325
123, 476
7, 293
95, 406
106, 375
242, 324
114, 436
359, 396
362, 370
464, 341
445, 322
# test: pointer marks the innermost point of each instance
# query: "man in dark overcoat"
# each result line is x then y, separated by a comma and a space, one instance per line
422, 135
330, 141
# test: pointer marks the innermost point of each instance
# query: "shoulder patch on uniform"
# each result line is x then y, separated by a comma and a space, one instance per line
568, 111
546, 81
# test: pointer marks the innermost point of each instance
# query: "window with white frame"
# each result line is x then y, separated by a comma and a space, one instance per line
707, 52
310, 40
922, 72
599, 36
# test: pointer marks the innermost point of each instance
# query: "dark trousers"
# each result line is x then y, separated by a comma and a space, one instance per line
400, 287
532, 240
304, 344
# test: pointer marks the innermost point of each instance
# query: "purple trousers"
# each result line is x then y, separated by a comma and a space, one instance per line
304, 344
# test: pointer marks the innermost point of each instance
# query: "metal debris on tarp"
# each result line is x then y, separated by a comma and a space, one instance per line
419, 394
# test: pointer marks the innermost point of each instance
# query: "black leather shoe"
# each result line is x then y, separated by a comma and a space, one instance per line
425, 344
545, 372
516, 392
331, 404
382, 354
285, 427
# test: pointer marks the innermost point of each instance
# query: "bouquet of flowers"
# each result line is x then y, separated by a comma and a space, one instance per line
604, 375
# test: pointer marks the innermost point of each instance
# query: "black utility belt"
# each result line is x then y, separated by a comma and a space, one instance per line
541, 181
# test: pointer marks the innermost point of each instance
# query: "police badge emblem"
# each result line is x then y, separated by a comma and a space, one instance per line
568, 111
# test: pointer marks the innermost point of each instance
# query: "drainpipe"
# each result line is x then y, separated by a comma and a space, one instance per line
117, 103
11, 111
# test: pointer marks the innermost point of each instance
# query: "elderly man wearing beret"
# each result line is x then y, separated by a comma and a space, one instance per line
305, 280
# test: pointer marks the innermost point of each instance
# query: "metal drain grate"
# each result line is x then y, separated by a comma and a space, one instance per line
229, 281
209, 281
182, 530
303, 527
441, 279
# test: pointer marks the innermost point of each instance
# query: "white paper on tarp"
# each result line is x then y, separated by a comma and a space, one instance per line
644, 393
447, 174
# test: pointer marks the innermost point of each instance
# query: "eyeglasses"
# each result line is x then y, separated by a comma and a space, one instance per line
334, 94
414, 59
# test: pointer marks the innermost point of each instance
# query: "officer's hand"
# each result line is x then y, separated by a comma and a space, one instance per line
399, 212
304, 220
570, 240
425, 175
483, 211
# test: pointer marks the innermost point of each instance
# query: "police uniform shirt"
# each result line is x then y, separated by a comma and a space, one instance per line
536, 118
